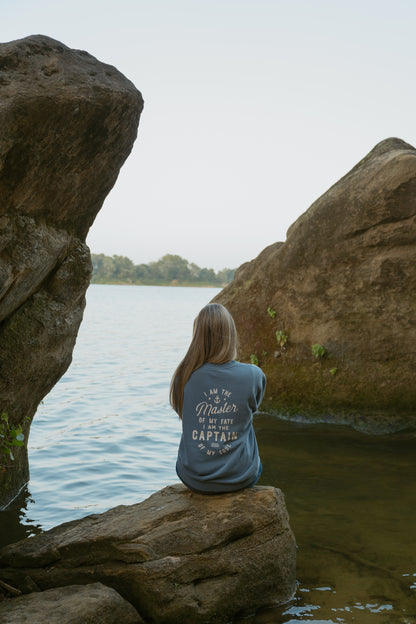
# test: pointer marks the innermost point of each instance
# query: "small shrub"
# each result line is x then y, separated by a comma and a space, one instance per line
318, 350
271, 312
9, 436
254, 359
333, 371
281, 337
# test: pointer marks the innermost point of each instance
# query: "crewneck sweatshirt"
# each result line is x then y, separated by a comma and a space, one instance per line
218, 449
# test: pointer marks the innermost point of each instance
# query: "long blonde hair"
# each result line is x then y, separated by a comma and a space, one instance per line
214, 340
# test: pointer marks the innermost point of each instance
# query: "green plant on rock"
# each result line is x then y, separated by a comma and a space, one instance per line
333, 371
271, 312
281, 337
9, 436
254, 359
318, 350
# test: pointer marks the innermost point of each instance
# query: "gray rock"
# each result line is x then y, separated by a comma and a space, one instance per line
75, 604
177, 557
345, 279
67, 124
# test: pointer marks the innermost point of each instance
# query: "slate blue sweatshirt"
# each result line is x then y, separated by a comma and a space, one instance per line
218, 450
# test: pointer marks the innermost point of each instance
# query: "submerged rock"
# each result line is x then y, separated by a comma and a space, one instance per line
340, 294
67, 124
177, 557
83, 604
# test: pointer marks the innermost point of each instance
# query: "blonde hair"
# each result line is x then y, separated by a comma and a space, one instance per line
214, 340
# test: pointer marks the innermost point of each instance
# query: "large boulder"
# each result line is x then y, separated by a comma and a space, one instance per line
176, 557
344, 280
67, 124
83, 604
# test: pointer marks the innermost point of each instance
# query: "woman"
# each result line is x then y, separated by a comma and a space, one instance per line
215, 397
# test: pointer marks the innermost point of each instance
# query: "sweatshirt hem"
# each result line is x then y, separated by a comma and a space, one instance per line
216, 488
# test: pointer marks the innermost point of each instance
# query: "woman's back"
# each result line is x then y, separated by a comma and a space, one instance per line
218, 449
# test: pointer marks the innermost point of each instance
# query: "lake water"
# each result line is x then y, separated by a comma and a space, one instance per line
106, 436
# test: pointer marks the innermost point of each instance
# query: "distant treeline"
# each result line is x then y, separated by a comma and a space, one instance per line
169, 270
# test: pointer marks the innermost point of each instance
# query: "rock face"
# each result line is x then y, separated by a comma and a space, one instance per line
83, 604
176, 557
67, 124
344, 279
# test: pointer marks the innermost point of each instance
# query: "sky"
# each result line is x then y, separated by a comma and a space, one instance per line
253, 109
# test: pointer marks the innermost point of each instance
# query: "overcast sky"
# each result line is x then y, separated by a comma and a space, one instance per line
253, 109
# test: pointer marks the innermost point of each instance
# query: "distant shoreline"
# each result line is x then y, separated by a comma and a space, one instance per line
173, 284
171, 270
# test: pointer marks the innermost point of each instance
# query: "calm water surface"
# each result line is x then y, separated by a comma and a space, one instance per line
106, 436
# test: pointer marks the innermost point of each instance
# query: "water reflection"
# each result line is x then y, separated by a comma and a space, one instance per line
15, 524
352, 502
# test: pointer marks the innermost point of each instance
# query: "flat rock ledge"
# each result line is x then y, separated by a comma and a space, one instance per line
176, 557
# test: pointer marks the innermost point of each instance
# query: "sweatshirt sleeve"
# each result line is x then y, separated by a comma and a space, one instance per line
259, 386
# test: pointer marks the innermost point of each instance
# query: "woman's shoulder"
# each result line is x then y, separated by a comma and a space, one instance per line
251, 369
233, 367
249, 372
